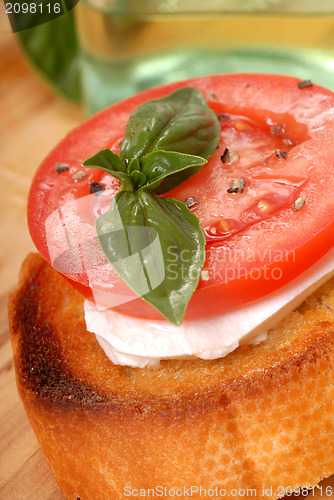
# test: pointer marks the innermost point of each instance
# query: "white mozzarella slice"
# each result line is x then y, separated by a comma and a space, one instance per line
138, 342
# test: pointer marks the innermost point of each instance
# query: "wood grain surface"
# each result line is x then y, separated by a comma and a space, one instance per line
32, 121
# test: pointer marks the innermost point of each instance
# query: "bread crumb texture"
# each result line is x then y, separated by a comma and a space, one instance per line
261, 418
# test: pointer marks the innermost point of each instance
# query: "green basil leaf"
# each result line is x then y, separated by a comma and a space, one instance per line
111, 163
138, 178
180, 121
133, 165
164, 170
52, 49
105, 160
157, 247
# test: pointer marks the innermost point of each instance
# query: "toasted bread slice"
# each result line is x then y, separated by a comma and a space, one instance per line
261, 418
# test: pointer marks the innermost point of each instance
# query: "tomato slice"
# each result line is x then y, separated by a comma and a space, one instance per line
275, 136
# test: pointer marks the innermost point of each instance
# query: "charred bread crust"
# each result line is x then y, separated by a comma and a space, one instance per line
262, 417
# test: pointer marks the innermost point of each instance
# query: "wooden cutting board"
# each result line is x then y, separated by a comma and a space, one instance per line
33, 120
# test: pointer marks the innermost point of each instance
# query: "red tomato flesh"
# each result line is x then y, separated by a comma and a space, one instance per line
280, 140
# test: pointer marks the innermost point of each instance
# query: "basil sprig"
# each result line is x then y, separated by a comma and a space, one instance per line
156, 245
158, 172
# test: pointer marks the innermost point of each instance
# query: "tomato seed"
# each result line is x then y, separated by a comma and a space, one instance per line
238, 185
205, 276
233, 156
190, 201
240, 126
224, 226
298, 204
61, 167
230, 156
81, 174
276, 129
265, 206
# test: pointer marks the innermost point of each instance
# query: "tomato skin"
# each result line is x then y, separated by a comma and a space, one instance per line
307, 132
